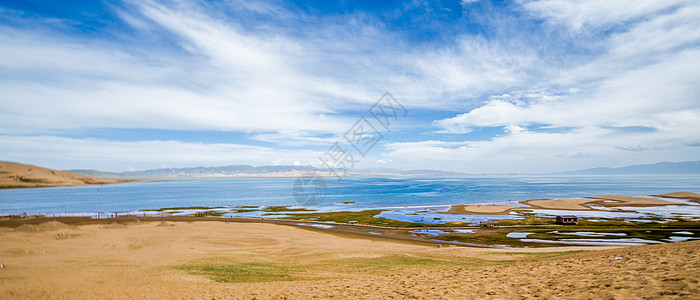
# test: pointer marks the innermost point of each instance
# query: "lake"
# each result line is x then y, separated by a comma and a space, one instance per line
364, 192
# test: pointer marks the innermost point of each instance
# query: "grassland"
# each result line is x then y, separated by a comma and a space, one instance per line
268, 268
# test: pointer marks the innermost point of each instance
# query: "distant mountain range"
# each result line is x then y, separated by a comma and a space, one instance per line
251, 171
687, 167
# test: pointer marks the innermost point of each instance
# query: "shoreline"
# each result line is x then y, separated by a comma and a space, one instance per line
590, 203
463, 236
3, 187
612, 220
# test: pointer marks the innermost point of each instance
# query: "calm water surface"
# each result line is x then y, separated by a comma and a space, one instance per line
365, 192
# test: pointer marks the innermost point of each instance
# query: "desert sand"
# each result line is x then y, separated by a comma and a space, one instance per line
14, 175
268, 261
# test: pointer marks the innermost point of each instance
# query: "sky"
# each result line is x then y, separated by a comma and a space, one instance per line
528, 86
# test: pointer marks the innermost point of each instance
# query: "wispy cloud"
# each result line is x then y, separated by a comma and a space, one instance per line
594, 15
643, 78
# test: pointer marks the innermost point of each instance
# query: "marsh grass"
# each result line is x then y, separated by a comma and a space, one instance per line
362, 217
284, 209
647, 234
489, 237
652, 232
231, 271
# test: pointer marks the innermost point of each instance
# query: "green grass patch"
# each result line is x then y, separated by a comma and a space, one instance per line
284, 209
528, 221
216, 213
240, 272
386, 264
362, 217
235, 211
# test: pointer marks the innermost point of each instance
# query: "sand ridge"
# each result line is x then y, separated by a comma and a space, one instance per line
46, 226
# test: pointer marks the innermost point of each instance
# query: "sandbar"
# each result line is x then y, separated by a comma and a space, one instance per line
481, 209
622, 200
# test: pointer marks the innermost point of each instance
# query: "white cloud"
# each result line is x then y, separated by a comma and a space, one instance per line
295, 88
597, 14
466, 3
475, 67
231, 78
226, 79
647, 96
294, 138
645, 74
521, 150
71, 153
645, 80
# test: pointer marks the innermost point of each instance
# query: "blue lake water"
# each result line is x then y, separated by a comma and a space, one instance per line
365, 192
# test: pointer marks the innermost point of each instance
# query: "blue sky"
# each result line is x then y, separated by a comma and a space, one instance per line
489, 86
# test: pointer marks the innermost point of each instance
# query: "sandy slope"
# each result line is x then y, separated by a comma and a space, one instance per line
13, 175
137, 261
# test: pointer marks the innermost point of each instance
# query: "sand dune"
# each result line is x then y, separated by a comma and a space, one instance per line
46, 226
267, 261
14, 175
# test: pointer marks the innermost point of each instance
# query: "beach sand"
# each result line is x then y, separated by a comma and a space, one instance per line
560, 204
695, 197
153, 260
622, 200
